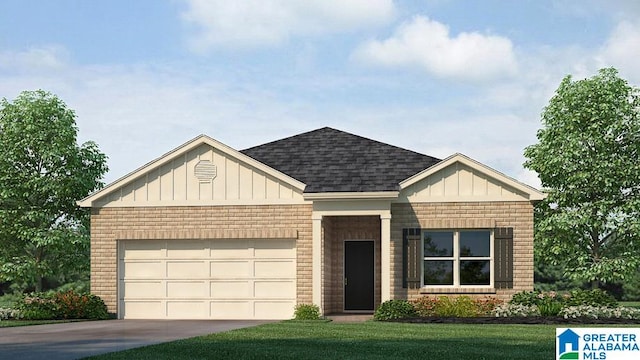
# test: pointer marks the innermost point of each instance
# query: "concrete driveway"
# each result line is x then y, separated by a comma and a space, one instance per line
81, 339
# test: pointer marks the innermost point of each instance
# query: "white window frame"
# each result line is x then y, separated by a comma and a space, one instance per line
456, 258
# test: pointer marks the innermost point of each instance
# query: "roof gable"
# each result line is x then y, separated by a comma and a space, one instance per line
201, 171
329, 160
460, 178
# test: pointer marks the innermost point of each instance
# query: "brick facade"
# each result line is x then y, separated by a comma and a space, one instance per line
108, 225
459, 215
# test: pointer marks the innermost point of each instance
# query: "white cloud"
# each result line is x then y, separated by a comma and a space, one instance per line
622, 50
428, 44
258, 23
35, 59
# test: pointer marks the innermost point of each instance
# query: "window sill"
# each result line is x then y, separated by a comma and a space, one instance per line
456, 290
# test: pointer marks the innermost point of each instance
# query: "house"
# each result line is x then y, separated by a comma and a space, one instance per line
568, 342
323, 217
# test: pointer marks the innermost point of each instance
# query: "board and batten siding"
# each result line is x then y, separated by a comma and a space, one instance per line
175, 183
460, 182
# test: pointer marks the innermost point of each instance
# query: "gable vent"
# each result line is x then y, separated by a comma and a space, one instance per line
205, 171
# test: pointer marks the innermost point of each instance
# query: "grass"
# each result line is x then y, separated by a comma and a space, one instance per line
634, 304
14, 323
370, 340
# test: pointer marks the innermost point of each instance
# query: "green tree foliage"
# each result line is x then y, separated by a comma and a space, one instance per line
587, 158
43, 172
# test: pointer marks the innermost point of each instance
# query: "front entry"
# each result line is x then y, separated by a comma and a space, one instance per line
359, 279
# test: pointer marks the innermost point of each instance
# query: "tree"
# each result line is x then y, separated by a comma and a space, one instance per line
43, 172
587, 158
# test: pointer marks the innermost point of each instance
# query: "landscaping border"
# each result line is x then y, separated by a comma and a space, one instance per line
533, 320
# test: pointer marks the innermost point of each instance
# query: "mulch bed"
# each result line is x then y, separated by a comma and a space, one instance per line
545, 320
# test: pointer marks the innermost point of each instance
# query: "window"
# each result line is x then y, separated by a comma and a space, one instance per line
457, 258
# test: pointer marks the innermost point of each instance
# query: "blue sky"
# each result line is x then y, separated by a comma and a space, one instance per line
434, 76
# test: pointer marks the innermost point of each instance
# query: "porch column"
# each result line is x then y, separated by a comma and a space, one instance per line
316, 269
385, 256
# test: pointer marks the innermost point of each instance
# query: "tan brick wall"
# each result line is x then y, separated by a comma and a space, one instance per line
518, 215
337, 229
108, 224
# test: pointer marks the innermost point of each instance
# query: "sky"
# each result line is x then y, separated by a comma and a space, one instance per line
434, 76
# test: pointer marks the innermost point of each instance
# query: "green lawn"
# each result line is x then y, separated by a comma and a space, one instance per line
370, 340
635, 304
13, 323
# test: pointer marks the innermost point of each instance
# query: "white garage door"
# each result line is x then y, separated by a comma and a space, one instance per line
207, 279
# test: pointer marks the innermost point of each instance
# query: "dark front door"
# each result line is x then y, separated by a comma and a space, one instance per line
358, 275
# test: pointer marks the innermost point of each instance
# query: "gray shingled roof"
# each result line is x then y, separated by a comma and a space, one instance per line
330, 160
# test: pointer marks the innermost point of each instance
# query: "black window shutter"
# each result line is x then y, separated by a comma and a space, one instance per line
503, 258
411, 258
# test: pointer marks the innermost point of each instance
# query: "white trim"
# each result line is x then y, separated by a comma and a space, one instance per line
533, 193
235, 202
385, 257
316, 262
456, 259
344, 275
465, 199
380, 195
120, 282
180, 150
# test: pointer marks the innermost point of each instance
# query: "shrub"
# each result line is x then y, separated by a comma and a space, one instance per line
62, 305
425, 305
462, 306
394, 309
537, 298
526, 298
307, 312
9, 314
96, 308
594, 297
37, 307
516, 310
486, 305
551, 308
8, 300
594, 312
72, 305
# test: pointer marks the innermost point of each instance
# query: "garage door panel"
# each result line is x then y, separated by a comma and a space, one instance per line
231, 289
207, 279
232, 310
231, 249
187, 309
186, 269
187, 249
142, 249
268, 310
144, 289
187, 289
144, 269
274, 249
275, 268
144, 310
221, 269
274, 289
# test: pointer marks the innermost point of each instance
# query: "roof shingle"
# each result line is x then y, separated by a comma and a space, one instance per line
330, 160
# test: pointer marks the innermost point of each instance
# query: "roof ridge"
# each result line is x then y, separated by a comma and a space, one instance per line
331, 160
325, 128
